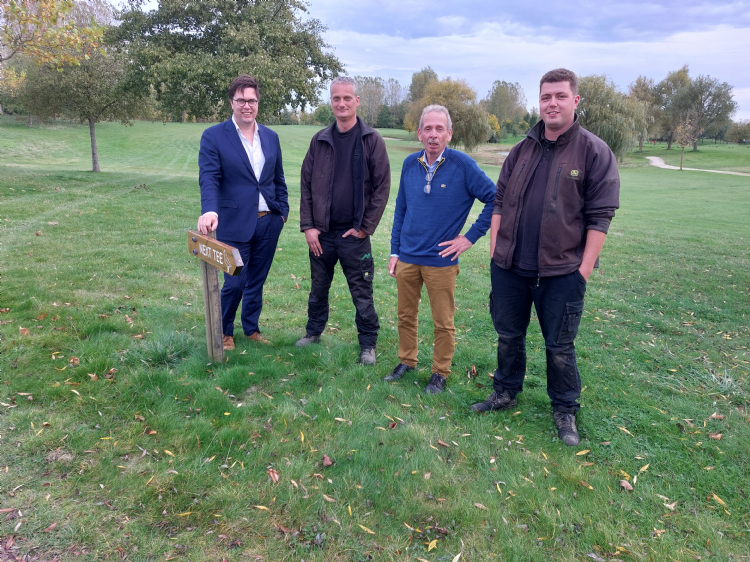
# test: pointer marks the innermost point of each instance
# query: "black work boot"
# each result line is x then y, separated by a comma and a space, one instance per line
398, 372
436, 384
566, 428
496, 401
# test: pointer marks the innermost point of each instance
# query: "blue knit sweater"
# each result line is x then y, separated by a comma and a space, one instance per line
422, 221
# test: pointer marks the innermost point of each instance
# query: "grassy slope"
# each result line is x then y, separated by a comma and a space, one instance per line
664, 340
730, 157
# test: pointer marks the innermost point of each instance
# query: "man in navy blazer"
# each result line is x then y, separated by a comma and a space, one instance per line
244, 199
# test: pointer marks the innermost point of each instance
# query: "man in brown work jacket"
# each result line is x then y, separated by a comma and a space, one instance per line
556, 195
346, 180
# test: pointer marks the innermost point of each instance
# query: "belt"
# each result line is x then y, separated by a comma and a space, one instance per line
263, 213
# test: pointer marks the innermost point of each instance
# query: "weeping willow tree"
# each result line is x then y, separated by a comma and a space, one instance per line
611, 115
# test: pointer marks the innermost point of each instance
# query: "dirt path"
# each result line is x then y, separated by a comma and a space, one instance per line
659, 163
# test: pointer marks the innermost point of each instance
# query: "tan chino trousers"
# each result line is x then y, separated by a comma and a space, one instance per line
441, 287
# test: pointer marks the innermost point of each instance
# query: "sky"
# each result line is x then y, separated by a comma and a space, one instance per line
481, 41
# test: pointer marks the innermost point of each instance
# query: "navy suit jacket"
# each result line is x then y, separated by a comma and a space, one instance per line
228, 184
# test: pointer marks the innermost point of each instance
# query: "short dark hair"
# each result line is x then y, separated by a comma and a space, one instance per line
561, 75
241, 82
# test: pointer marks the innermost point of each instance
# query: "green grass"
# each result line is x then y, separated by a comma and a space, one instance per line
166, 456
730, 157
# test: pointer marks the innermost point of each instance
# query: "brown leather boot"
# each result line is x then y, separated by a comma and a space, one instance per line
228, 343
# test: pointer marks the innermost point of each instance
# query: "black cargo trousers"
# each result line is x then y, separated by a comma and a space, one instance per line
355, 256
559, 304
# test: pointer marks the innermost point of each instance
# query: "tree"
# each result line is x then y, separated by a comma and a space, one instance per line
44, 31
419, 82
470, 122
190, 51
371, 92
507, 101
644, 91
324, 114
709, 103
92, 91
739, 131
686, 133
667, 98
611, 115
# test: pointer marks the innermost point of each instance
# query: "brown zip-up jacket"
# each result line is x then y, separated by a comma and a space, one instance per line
582, 194
371, 176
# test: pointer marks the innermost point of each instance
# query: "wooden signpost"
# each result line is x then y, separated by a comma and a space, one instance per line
214, 256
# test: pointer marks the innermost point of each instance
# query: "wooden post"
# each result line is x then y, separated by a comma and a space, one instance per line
212, 306
213, 255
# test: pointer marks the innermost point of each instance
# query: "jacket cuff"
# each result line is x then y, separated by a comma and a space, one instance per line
602, 225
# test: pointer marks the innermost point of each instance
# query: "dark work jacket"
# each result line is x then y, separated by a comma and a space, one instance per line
582, 194
371, 177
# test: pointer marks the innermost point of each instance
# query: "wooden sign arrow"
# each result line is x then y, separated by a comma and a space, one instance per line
222, 256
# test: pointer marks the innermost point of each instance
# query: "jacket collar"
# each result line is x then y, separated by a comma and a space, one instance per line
537, 131
327, 133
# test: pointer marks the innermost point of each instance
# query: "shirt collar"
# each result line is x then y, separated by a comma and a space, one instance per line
257, 128
423, 158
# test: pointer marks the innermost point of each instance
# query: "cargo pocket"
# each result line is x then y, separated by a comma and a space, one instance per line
570, 322
367, 265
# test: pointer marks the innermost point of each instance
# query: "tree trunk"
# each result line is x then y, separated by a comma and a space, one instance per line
640, 144
682, 157
184, 116
695, 146
669, 141
31, 120
94, 151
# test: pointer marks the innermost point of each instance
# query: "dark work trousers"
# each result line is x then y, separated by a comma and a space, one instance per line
257, 255
559, 303
355, 255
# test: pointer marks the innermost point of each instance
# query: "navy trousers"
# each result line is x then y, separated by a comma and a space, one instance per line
257, 255
559, 304
355, 256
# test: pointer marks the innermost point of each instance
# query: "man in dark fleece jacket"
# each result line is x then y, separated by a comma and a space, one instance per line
556, 195
437, 191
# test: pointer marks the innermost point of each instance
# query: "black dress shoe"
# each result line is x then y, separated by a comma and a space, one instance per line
398, 372
436, 384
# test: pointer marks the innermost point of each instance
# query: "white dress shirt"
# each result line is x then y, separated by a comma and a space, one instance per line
257, 159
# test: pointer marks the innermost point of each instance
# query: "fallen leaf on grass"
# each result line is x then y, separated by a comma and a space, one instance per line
274, 474
301, 437
427, 475
716, 436
261, 507
643, 468
626, 485
48, 529
138, 337
716, 416
137, 416
442, 443
480, 506
4, 309
625, 430
432, 545
366, 529
392, 425
170, 453
659, 532
579, 453
456, 557
24, 332
585, 484
327, 461
328, 499
595, 557
670, 506
74, 361
717, 499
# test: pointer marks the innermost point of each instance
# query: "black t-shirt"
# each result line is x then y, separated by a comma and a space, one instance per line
342, 196
526, 253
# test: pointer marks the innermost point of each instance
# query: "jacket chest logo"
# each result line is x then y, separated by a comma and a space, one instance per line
574, 173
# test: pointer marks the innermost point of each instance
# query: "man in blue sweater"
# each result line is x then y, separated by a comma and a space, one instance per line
437, 191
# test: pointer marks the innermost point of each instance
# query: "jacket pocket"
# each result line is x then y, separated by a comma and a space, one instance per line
231, 203
570, 322
557, 182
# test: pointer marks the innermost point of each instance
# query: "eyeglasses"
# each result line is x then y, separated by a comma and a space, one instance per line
241, 102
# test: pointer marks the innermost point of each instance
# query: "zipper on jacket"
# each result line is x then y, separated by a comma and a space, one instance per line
557, 183
509, 257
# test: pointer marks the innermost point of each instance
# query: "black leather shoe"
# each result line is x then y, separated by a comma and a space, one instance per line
436, 384
398, 372
495, 401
